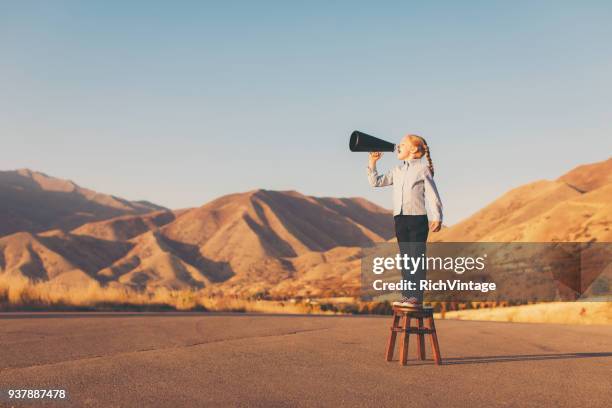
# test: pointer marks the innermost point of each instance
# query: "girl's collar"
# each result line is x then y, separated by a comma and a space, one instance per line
411, 162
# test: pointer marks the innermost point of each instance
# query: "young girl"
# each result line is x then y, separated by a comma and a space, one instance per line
413, 186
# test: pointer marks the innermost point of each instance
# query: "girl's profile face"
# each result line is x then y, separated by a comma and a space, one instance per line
405, 149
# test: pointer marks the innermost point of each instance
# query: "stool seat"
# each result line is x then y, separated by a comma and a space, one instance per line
402, 317
415, 309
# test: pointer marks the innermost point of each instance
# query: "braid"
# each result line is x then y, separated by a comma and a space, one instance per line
417, 140
428, 157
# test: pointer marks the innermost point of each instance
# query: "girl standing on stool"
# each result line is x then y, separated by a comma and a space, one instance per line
413, 185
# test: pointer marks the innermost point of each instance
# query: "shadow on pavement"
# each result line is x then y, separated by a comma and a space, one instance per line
526, 357
506, 359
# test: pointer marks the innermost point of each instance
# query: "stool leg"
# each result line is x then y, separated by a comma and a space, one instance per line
391, 343
434, 341
421, 343
405, 339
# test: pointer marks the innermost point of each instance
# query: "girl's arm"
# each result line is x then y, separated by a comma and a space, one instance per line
373, 177
432, 197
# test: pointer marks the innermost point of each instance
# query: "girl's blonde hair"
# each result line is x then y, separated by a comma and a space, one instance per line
419, 142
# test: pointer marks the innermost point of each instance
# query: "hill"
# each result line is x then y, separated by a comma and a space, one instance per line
244, 243
275, 243
577, 207
32, 201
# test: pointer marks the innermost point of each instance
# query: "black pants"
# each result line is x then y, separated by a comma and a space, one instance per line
411, 232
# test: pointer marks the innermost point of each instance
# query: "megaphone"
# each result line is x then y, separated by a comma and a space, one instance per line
362, 142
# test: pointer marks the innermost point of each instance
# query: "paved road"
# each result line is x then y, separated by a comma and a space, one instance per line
184, 360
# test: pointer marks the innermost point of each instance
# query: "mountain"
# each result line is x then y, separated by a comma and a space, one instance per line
242, 243
279, 224
589, 177
125, 227
277, 243
33, 201
577, 207
57, 257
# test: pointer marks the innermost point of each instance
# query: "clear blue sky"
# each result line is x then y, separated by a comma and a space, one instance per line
181, 102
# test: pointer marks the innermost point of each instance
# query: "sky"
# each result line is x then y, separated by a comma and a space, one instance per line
181, 102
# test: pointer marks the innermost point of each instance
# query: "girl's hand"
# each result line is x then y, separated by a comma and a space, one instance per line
435, 226
374, 157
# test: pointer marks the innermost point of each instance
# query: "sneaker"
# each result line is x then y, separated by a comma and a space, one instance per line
408, 302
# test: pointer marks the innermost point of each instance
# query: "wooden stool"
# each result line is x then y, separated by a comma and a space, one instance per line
407, 313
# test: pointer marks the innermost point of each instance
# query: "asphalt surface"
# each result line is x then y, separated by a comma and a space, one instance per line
202, 360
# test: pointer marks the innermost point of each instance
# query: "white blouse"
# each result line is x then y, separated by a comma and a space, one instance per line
413, 186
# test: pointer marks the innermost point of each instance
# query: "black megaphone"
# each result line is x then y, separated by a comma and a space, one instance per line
362, 142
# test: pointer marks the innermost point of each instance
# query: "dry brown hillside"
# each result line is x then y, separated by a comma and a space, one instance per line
589, 177
278, 223
127, 226
57, 257
576, 207
285, 244
252, 238
32, 201
246, 242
